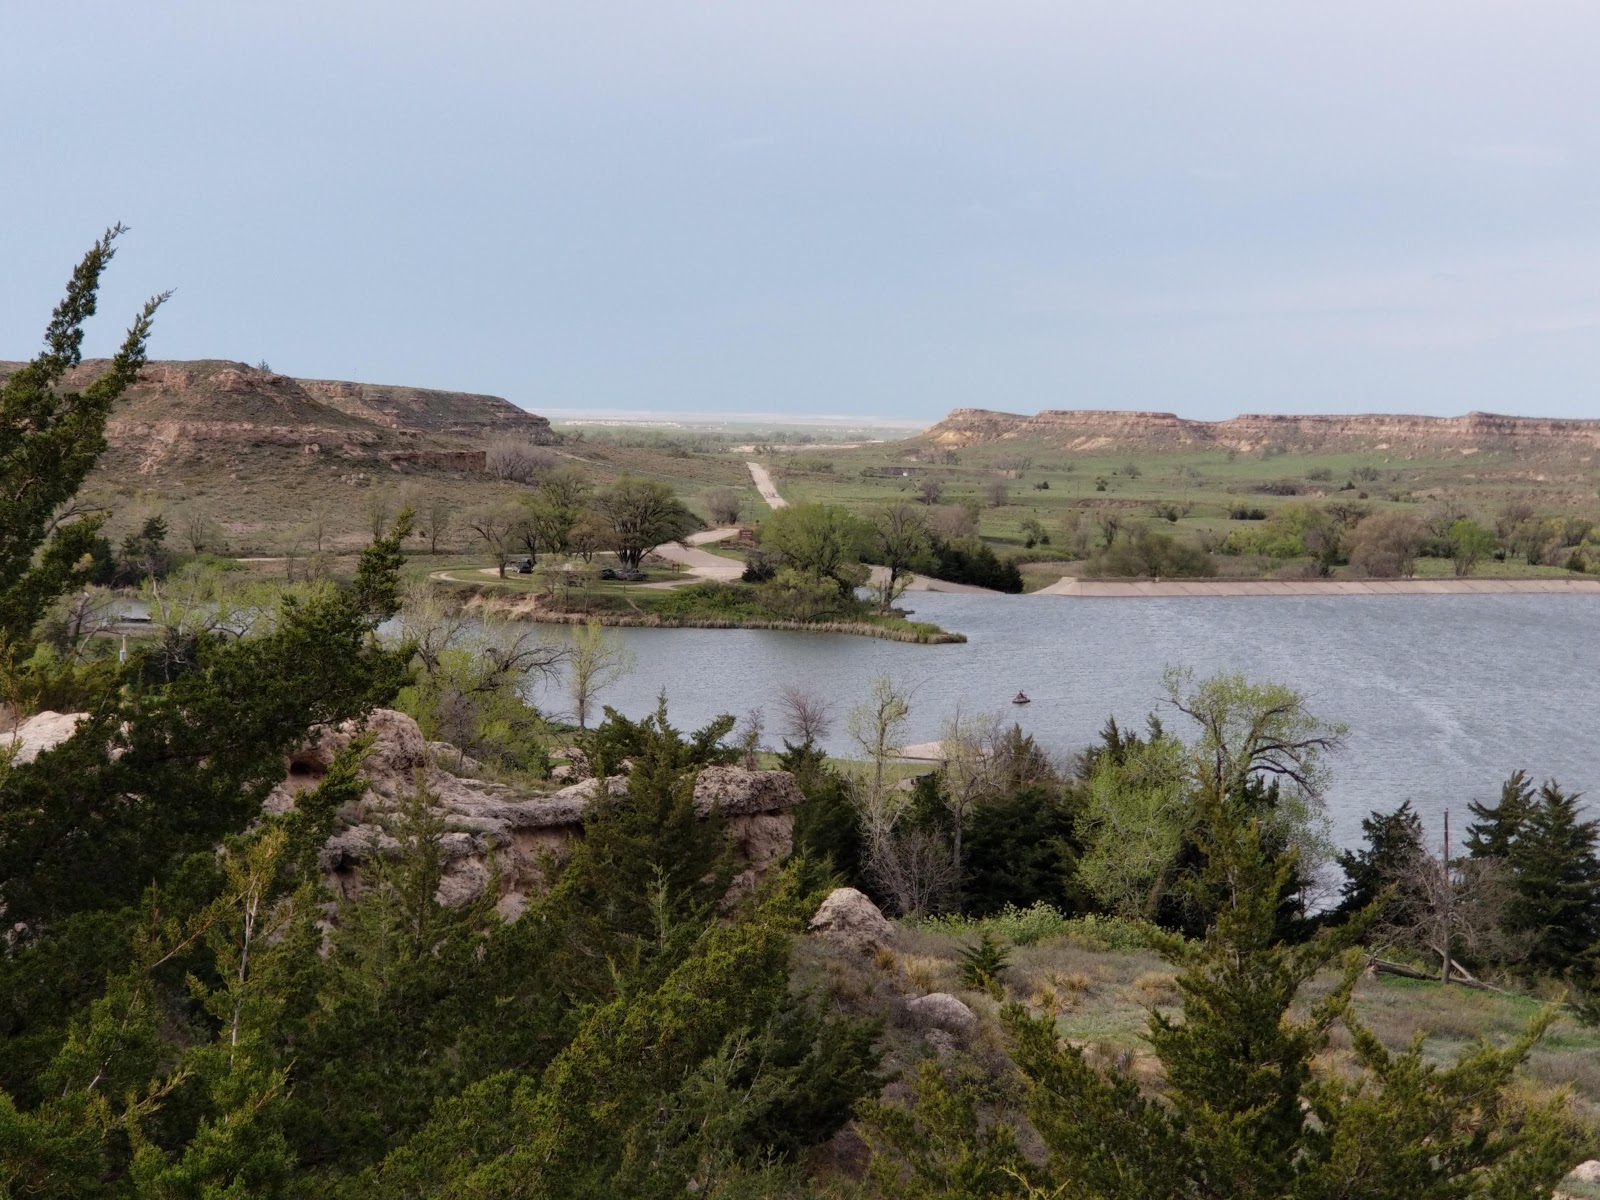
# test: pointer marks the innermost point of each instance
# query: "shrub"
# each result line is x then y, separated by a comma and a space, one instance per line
1385, 545
516, 462
982, 964
1040, 922
1147, 552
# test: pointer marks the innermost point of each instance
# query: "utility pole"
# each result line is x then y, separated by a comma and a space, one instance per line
1448, 900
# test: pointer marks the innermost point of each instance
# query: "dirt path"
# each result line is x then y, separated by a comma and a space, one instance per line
1109, 588
764, 485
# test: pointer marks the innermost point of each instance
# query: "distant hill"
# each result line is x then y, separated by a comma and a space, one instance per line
182, 411
1110, 431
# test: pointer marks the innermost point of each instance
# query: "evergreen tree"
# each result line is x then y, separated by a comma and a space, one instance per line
49, 442
1393, 843
1499, 825
1556, 874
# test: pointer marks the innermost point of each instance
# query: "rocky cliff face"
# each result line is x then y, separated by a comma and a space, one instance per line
1089, 431
183, 410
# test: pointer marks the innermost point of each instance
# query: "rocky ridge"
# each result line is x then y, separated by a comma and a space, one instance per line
182, 410
1114, 431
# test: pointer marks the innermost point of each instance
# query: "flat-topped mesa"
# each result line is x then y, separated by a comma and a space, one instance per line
430, 410
178, 412
1116, 431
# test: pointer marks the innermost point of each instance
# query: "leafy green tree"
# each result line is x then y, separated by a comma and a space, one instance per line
900, 541
1258, 751
553, 509
49, 442
639, 515
1470, 544
820, 542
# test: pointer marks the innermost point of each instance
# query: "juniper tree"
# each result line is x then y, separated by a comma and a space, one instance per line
1499, 825
1393, 843
50, 439
1556, 876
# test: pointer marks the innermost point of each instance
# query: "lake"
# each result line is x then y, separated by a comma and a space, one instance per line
1444, 695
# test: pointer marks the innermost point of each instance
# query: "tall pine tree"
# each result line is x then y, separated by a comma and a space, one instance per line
1556, 873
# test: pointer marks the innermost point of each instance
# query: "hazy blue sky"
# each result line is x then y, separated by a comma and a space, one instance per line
854, 208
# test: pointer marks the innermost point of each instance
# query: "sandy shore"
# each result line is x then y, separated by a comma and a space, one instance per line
1123, 589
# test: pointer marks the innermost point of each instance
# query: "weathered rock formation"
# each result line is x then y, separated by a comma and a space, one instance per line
1091, 430
40, 732
849, 918
496, 831
943, 1012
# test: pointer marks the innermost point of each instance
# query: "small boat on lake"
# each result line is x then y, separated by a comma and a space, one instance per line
1021, 698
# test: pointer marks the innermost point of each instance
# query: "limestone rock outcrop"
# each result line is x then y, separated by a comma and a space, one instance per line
849, 918
40, 732
494, 831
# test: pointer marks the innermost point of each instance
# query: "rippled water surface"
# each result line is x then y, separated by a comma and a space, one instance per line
1444, 695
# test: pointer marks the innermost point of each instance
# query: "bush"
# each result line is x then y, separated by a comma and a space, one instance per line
1385, 545
1040, 922
516, 462
1147, 552
1240, 512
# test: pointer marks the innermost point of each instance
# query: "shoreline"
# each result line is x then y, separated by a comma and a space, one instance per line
1092, 589
511, 611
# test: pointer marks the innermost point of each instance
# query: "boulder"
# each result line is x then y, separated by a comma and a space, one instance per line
849, 918
943, 1012
41, 732
1586, 1172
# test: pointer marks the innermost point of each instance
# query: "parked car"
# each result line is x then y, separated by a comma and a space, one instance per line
525, 566
607, 573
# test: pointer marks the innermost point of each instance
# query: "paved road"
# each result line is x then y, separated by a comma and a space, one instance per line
697, 563
764, 485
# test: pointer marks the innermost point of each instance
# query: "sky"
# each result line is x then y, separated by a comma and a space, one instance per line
845, 208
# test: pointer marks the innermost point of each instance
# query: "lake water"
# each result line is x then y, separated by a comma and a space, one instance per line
1444, 695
